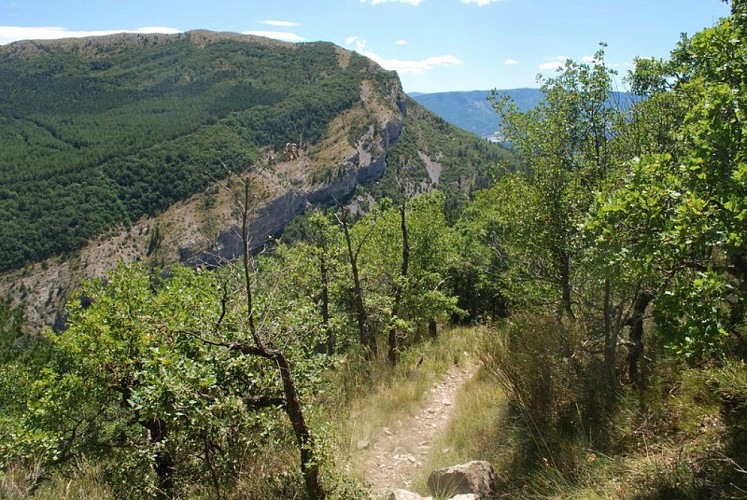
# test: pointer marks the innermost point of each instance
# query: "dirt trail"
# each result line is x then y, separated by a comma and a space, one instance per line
393, 459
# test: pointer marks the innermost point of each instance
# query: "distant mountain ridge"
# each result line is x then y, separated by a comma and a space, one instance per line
471, 110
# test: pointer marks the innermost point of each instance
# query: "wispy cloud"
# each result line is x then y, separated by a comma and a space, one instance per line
10, 34
281, 24
480, 3
400, 42
284, 36
553, 63
414, 3
403, 66
510, 62
414, 66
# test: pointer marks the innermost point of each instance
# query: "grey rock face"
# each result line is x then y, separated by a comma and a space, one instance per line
406, 495
477, 478
273, 217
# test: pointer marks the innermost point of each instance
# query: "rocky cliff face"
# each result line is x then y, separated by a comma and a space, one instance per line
270, 218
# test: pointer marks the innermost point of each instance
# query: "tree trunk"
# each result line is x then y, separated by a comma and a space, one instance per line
164, 462
294, 410
636, 335
392, 354
610, 340
364, 335
566, 308
324, 273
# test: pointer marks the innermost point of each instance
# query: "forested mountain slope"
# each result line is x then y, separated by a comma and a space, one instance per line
121, 139
98, 132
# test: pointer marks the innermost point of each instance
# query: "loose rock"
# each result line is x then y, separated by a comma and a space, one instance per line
406, 495
477, 477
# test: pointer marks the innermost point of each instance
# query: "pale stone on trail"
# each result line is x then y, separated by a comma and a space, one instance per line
406, 495
477, 477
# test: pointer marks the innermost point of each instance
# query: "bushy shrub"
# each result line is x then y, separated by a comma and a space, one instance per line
553, 381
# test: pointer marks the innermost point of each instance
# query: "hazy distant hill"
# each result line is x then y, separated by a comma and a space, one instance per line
471, 110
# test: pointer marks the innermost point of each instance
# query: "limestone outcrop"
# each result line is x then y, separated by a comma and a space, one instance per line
476, 477
474, 480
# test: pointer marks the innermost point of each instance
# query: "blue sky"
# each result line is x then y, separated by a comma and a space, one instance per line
435, 45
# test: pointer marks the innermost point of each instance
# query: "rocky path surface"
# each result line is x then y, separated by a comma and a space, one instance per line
393, 459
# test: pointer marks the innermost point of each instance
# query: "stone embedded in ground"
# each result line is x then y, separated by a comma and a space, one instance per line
406, 495
477, 477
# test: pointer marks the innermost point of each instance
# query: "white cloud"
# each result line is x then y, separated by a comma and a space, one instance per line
10, 34
414, 3
553, 63
399, 65
284, 36
550, 66
414, 66
510, 62
480, 3
400, 42
360, 45
282, 24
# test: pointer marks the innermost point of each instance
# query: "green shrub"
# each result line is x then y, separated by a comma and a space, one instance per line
554, 383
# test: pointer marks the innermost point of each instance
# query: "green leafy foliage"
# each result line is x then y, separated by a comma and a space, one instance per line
632, 230
133, 384
676, 218
154, 379
565, 144
426, 290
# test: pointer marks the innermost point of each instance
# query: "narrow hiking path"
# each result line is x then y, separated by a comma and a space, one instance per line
397, 452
